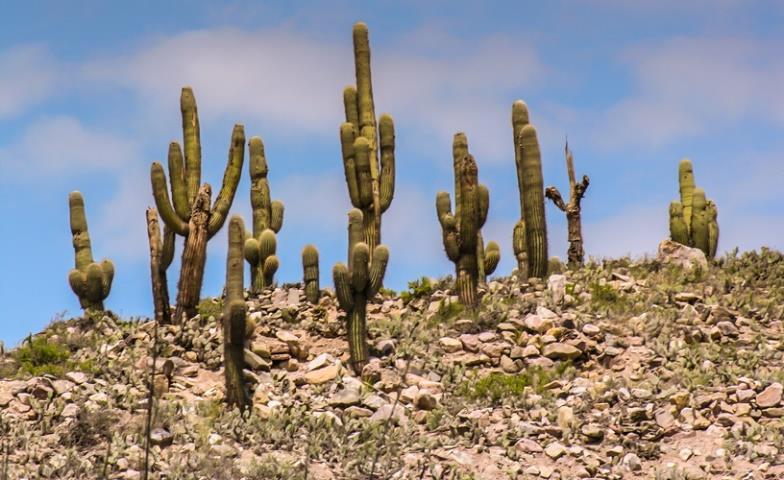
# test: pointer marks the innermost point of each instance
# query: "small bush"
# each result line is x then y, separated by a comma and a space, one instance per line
417, 289
499, 386
210, 307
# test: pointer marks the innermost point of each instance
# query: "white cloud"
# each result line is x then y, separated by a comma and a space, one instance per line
28, 74
62, 145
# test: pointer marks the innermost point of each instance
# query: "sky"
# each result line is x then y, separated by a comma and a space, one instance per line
89, 98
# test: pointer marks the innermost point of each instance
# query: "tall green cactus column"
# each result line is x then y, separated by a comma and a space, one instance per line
234, 312
358, 283
693, 220
531, 185
310, 271
461, 231
90, 281
267, 221
185, 179
368, 148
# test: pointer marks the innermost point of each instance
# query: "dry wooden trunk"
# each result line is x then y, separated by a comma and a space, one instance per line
576, 252
160, 291
194, 256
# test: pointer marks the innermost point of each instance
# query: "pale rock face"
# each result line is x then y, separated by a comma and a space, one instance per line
685, 257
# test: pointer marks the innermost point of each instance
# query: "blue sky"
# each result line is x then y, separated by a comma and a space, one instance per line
89, 97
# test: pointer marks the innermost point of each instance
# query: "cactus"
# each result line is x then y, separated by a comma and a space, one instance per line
185, 179
160, 293
90, 281
260, 254
234, 321
520, 250
531, 186
693, 220
461, 231
358, 283
572, 209
368, 148
310, 268
267, 214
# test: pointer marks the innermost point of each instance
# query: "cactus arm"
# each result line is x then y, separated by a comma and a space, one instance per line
192, 143
177, 180
492, 256
468, 214
679, 232
356, 233
271, 265
387, 178
519, 120
366, 109
161, 196
81, 236
700, 234
483, 199
251, 252
713, 229
340, 276
360, 259
107, 275
459, 150
259, 186
310, 271
555, 196
686, 186
520, 249
351, 108
78, 282
167, 252
231, 178
276, 216
378, 267
94, 285
363, 169
533, 191
347, 138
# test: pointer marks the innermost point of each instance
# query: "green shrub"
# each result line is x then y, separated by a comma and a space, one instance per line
500, 386
417, 289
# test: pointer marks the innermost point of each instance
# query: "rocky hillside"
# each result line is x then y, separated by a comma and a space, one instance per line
619, 370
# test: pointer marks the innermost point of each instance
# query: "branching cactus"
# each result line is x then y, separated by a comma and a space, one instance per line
462, 231
177, 212
90, 281
694, 220
267, 213
310, 270
368, 147
572, 209
358, 283
531, 186
234, 320
260, 253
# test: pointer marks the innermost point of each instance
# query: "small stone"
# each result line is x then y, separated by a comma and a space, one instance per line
345, 398
70, 411
254, 361
526, 445
560, 351
530, 351
76, 377
508, 365
485, 337
385, 413
287, 337
555, 450
322, 375
565, 417
320, 362
771, 396
591, 330
593, 431
632, 462
470, 342
425, 400
538, 324
450, 345
161, 437
664, 419
685, 454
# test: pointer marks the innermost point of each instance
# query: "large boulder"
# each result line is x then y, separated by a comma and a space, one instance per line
674, 253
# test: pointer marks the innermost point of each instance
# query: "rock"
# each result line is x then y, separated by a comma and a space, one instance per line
5, 395
425, 400
385, 413
70, 411
508, 365
561, 351
470, 342
632, 462
161, 437
526, 445
673, 253
591, 330
254, 361
728, 329
322, 375
556, 285
345, 398
485, 337
593, 431
76, 377
287, 337
320, 362
565, 417
450, 345
385, 347
538, 324
60, 387
771, 396
555, 450
664, 419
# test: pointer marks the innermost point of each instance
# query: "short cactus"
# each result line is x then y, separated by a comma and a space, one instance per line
531, 186
368, 148
462, 231
260, 253
185, 179
90, 281
693, 220
310, 270
573, 209
234, 319
267, 214
358, 283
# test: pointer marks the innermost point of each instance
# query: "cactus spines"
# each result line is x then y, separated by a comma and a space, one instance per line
310, 270
529, 176
573, 209
358, 283
234, 318
461, 231
90, 281
368, 146
185, 182
260, 254
693, 220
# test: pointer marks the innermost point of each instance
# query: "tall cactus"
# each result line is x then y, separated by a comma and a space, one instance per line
573, 209
358, 283
531, 186
267, 215
310, 270
185, 179
693, 220
234, 311
368, 148
462, 231
90, 281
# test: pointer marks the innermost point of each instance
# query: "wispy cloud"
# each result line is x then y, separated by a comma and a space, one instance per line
28, 75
